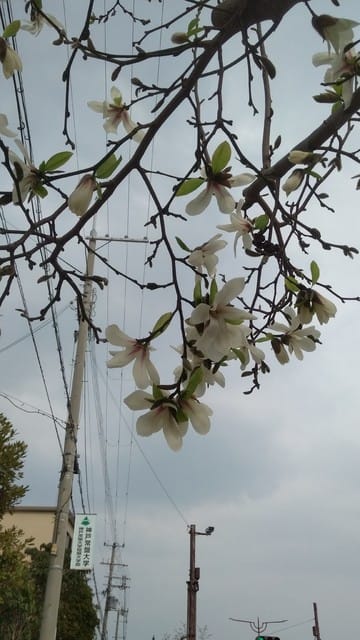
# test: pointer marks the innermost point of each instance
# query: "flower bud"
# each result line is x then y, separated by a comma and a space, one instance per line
9, 59
294, 181
80, 198
179, 38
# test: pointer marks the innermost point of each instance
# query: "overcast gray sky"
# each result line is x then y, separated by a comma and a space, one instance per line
277, 476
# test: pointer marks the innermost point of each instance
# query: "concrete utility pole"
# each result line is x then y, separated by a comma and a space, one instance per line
193, 582
57, 554
108, 592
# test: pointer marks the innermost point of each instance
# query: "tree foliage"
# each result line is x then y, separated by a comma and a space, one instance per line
77, 615
12, 454
265, 303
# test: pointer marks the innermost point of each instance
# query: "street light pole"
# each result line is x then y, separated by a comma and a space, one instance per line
193, 582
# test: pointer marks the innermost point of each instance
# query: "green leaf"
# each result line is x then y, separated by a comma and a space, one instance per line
240, 355
157, 393
291, 284
213, 291
194, 381
221, 157
193, 27
57, 161
40, 190
197, 292
189, 186
315, 272
261, 222
162, 323
182, 244
12, 29
107, 167
314, 174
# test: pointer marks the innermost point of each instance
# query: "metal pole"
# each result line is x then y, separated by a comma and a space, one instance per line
193, 587
55, 573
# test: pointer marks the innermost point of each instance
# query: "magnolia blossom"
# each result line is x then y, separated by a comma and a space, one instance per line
338, 32
4, 131
144, 372
161, 415
204, 256
210, 374
9, 59
311, 302
218, 186
296, 338
219, 325
38, 21
294, 181
115, 113
28, 176
341, 70
198, 414
79, 200
240, 225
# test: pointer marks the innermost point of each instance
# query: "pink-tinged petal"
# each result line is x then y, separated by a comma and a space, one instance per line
225, 201
199, 204
117, 337
138, 400
230, 290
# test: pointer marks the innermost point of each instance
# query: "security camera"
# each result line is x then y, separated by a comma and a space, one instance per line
209, 530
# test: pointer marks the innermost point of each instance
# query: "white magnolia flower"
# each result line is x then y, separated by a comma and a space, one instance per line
162, 415
204, 256
218, 187
198, 414
79, 200
38, 21
239, 225
294, 181
338, 32
9, 59
310, 303
4, 131
219, 325
296, 338
28, 175
115, 113
144, 372
342, 70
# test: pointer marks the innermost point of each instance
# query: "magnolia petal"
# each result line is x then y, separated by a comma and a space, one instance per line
225, 201
138, 400
198, 414
174, 432
96, 106
242, 179
120, 359
140, 372
115, 94
152, 372
199, 204
230, 290
4, 131
148, 424
323, 57
117, 337
130, 126
200, 314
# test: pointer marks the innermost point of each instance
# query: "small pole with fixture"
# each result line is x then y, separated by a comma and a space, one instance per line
193, 582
